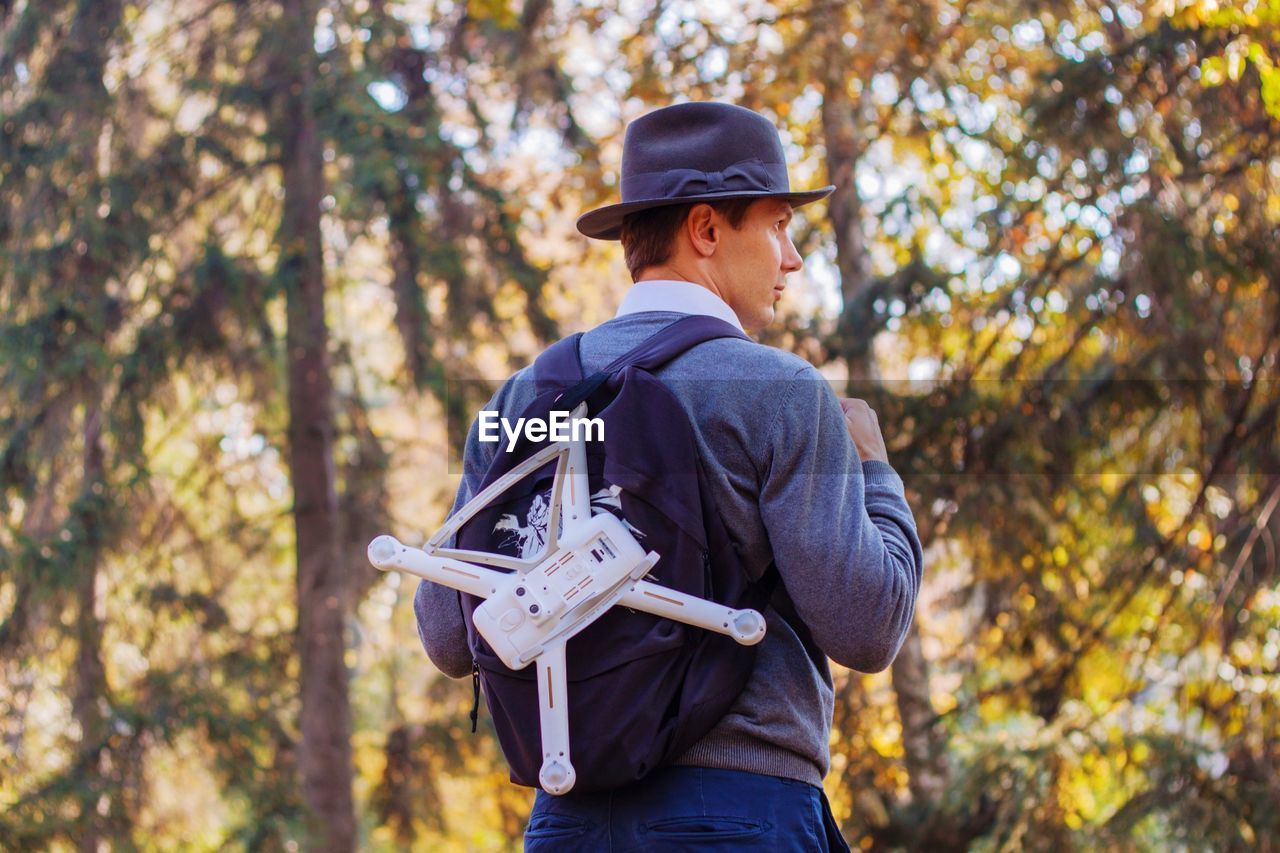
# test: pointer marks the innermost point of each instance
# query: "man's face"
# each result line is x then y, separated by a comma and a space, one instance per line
754, 260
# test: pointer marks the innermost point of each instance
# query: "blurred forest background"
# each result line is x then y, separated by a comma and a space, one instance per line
251, 249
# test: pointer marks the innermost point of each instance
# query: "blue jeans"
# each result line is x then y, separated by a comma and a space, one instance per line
687, 808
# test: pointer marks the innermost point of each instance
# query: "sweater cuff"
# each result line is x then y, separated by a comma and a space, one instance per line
882, 474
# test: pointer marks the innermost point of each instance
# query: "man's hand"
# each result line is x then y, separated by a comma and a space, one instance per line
864, 428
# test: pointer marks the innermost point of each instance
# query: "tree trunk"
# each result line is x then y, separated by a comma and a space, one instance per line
89, 690
845, 144
924, 744
325, 754
83, 62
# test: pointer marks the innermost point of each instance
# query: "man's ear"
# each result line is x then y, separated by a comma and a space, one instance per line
701, 226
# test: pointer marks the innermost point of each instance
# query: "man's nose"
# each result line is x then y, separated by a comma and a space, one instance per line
791, 260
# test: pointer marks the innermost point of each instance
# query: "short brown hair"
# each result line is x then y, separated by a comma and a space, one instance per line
649, 235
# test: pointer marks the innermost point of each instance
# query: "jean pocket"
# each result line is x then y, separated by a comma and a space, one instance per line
550, 827
706, 827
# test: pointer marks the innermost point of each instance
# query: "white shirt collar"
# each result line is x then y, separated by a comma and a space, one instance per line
682, 297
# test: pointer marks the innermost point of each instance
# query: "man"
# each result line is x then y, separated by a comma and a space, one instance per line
801, 478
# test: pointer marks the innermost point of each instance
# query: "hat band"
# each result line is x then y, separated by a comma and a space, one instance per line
744, 176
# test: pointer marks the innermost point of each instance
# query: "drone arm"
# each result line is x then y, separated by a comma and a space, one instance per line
557, 775
387, 552
745, 626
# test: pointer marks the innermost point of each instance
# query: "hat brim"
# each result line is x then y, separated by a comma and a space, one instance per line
605, 223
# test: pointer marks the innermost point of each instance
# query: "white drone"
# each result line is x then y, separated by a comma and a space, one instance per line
589, 564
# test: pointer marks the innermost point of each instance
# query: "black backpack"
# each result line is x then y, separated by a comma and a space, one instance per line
642, 689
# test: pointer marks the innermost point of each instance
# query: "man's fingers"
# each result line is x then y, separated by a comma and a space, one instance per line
853, 405
863, 425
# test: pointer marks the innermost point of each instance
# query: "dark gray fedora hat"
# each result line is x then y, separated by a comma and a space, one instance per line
700, 151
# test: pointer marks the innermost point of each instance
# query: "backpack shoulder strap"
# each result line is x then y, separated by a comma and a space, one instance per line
673, 340
558, 366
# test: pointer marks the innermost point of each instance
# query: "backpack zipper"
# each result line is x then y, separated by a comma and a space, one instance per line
475, 694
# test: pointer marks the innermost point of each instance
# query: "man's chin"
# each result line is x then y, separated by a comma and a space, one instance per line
760, 321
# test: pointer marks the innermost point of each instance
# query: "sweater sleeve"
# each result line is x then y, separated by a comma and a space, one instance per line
842, 533
438, 608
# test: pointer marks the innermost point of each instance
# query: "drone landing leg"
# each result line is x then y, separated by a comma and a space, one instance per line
557, 775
